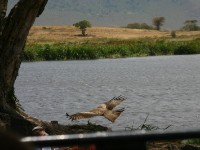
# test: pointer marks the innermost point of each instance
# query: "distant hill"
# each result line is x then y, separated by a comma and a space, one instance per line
118, 12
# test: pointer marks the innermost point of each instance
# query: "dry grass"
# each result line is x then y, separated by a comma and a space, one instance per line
72, 34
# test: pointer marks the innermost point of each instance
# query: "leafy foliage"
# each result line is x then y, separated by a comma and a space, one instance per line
185, 50
82, 25
190, 25
193, 141
158, 22
109, 49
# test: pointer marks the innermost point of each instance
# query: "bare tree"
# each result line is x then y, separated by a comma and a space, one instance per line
158, 22
14, 30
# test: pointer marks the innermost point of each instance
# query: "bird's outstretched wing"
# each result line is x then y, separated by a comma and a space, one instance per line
87, 114
114, 102
113, 115
101, 110
81, 115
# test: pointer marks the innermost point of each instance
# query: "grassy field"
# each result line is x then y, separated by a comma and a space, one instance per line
66, 43
42, 34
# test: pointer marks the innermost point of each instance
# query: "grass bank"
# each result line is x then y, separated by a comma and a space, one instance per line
108, 48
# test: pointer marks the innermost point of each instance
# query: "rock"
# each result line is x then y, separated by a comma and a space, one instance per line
190, 147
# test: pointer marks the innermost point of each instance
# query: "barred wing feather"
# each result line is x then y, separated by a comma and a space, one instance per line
82, 115
114, 102
104, 109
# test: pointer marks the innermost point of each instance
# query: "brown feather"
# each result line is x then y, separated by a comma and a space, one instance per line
104, 109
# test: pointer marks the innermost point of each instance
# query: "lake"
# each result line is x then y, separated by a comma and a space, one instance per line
165, 87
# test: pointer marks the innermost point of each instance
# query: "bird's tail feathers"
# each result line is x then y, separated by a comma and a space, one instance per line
120, 110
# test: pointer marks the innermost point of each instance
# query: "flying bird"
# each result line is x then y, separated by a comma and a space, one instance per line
105, 109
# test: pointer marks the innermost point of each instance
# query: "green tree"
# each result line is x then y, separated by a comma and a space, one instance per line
83, 25
190, 25
158, 22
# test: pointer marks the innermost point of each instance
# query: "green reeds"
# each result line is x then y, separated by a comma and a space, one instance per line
109, 49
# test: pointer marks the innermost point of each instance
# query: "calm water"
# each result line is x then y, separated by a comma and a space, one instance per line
167, 87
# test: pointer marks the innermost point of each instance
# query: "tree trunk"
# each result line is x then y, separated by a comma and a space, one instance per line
3, 8
83, 32
158, 27
13, 34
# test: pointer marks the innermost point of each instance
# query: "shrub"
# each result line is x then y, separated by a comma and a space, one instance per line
29, 55
193, 141
185, 50
109, 49
139, 26
173, 34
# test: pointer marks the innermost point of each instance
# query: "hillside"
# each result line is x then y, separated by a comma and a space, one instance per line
118, 12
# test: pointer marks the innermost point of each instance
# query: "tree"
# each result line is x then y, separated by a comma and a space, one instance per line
14, 30
139, 26
190, 25
158, 22
83, 25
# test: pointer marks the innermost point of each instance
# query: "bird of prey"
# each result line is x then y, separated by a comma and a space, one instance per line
105, 109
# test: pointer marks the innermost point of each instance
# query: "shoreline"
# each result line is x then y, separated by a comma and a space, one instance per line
109, 48
66, 43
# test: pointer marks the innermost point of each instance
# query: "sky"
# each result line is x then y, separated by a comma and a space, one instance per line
118, 13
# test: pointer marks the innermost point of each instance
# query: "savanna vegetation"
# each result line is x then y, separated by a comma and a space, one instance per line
139, 26
64, 44
190, 25
136, 39
158, 22
83, 25
109, 49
